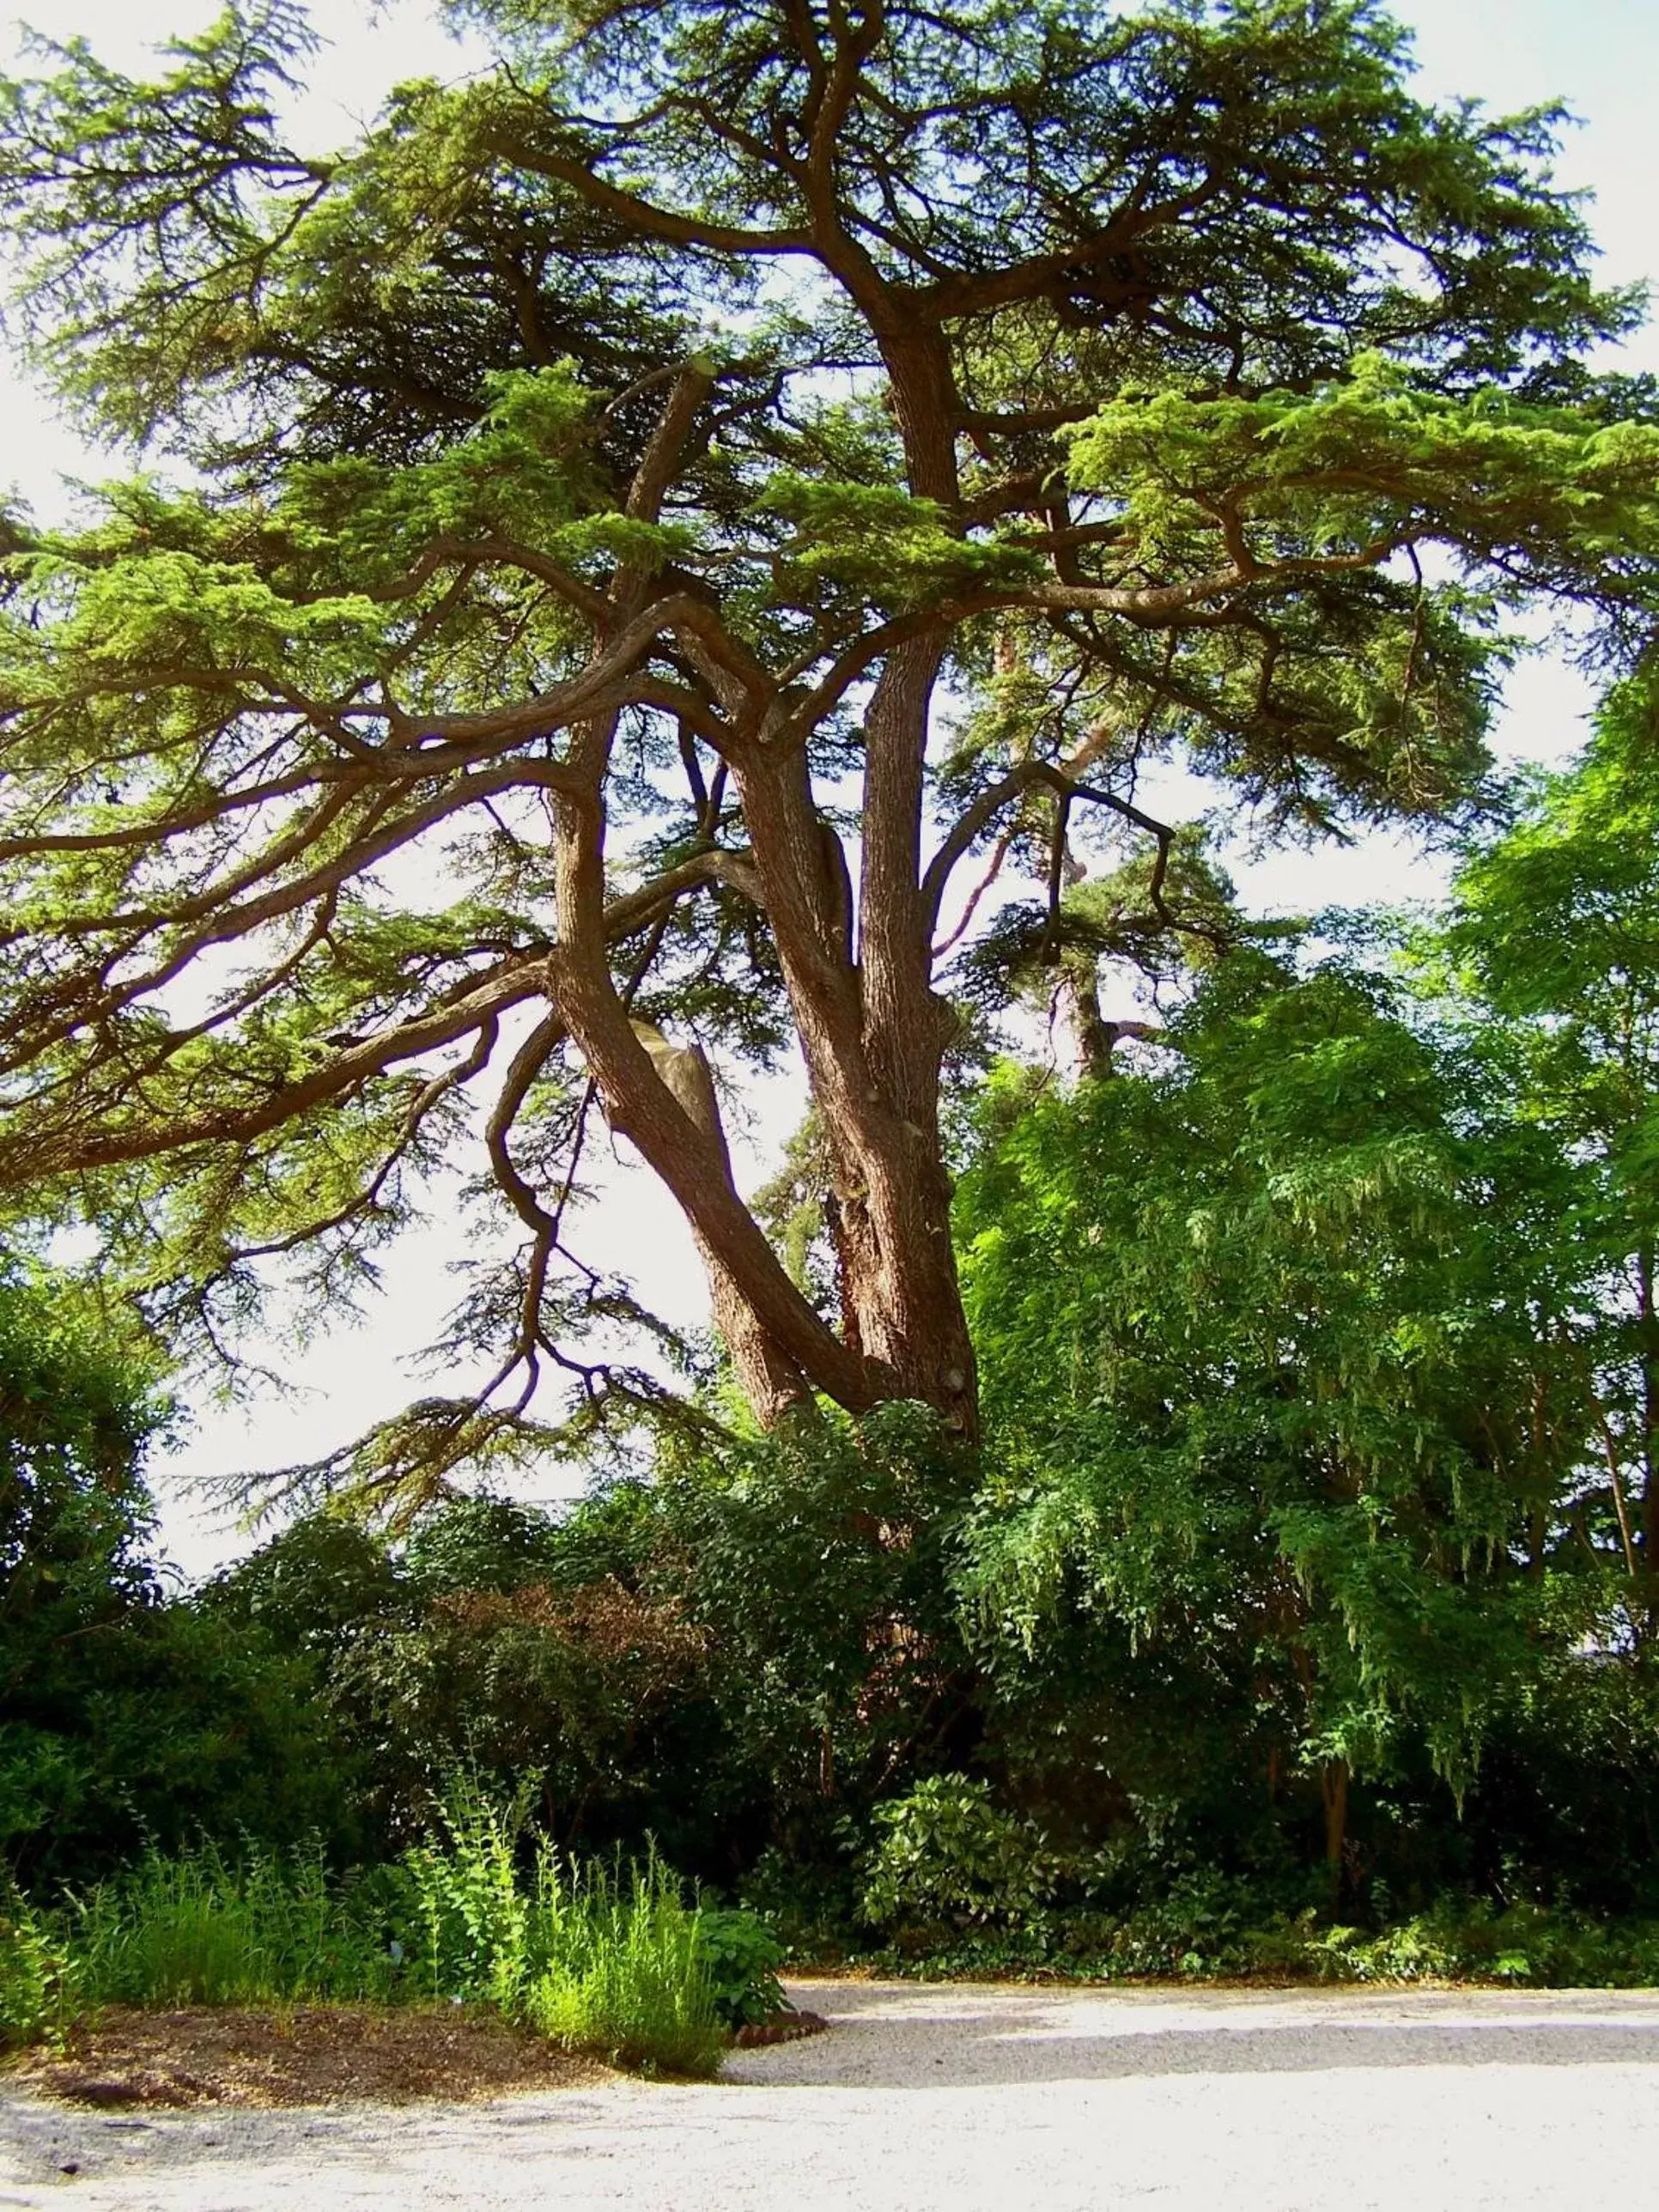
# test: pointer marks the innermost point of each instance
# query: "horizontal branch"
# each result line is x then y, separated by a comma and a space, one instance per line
640, 216
35, 1154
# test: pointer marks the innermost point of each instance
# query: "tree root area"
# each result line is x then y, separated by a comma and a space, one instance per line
307, 2055
782, 2028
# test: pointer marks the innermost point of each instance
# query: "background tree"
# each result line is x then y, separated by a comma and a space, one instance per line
1550, 964
655, 510
1283, 1355
122, 1716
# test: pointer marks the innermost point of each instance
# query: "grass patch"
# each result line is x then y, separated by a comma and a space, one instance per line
201, 1929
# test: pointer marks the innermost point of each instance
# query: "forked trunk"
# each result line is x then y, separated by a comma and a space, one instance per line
858, 975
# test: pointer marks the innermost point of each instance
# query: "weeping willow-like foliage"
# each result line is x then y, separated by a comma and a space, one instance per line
1319, 1337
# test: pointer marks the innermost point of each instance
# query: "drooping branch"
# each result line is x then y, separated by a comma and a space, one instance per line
75, 1143
1027, 775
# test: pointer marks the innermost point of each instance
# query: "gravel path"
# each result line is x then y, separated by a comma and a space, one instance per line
951, 2099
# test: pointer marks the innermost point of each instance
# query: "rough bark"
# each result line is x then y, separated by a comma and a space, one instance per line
771, 1379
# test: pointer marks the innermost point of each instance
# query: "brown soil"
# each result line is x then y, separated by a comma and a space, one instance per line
311, 2055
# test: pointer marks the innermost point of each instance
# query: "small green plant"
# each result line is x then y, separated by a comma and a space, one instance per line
39, 1985
948, 1856
741, 1956
477, 1930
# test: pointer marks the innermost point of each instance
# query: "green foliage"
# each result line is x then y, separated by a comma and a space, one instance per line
1524, 1944
627, 1977
896, 551
310, 1589
1547, 964
815, 1559
480, 1933
1254, 1344
741, 1956
502, 1639
1209, 1928
203, 1928
123, 1715
1316, 1351
40, 1983
599, 1957
602, 1957
1306, 476
78, 1406
947, 1855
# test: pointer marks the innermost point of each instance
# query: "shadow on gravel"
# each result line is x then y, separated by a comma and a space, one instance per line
41, 2142
1010, 2039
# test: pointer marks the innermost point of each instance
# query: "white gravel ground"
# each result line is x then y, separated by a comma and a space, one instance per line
951, 2099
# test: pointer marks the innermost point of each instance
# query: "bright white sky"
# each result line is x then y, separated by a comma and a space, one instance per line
1601, 56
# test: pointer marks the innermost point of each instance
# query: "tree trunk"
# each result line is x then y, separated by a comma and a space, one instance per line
1334, 1798
874, 1060
771, 1380
872, 1033
661, 1099
909, 1313
873, 1030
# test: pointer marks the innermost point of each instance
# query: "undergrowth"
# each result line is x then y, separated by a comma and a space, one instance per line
949, 1884
39, 1986
1457, 1942
609, 1959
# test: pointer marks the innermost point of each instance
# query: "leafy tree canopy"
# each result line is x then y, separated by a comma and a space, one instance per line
574, 494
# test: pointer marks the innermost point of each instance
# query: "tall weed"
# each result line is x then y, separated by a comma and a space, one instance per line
470, 1927
627, 1976
596, 1958
198, 1928
602, 1957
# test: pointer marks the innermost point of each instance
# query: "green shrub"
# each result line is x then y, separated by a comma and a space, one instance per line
1199, 1927
947, 1854
807, 1901
1459, 1939
741, 1956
